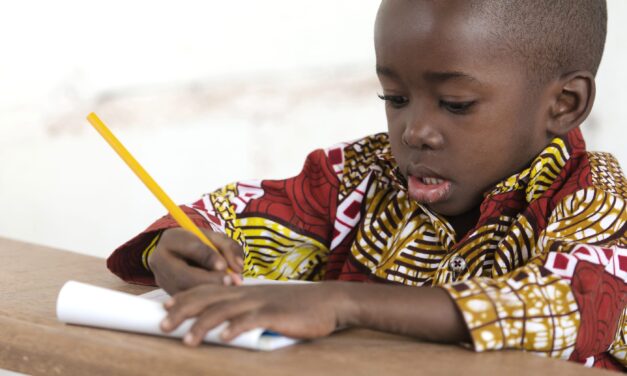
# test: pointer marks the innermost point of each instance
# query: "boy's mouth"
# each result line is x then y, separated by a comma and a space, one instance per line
428, 189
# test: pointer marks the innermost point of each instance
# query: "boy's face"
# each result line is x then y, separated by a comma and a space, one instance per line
461, 113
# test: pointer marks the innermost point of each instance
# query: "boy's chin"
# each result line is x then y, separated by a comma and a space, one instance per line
443, 209
450, 208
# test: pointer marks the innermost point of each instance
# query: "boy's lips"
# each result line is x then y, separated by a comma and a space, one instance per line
427, 187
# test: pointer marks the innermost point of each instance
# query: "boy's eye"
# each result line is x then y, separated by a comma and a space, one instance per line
456, 107
396, 101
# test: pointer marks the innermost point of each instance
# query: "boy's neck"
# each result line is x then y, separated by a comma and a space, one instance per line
464, 222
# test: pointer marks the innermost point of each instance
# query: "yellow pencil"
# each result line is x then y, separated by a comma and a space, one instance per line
175, 211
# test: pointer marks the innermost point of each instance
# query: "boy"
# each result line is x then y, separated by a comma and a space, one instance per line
481, 197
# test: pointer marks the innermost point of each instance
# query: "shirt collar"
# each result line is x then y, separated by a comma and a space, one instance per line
533, 181
544, 169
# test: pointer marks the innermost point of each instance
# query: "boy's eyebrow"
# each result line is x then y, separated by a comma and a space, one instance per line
445, 76
430, 76
386, 71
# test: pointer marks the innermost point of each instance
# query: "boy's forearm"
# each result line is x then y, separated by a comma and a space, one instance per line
427, 313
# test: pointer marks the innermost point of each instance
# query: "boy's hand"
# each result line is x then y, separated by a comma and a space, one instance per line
298, 311
316, 310
181, 261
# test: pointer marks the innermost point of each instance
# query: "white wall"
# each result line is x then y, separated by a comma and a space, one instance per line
203, 92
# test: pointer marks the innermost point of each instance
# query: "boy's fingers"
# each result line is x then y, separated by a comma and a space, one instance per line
193, 276
230, 250
174, 275
241, 324
192, 249
167, 270
214, 315
181, 309
230, 254
192, 302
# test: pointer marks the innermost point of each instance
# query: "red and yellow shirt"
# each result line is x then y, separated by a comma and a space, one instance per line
544, 269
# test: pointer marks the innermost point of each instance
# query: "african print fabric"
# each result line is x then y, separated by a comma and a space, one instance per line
544, 269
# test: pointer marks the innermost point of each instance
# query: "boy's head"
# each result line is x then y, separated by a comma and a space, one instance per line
475, 89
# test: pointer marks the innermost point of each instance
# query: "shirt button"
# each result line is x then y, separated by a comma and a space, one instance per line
457, 264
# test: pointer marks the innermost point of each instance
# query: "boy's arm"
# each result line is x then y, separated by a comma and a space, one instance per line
569, 301
316, 310
536, 308
427, 313
573, 307
570, 307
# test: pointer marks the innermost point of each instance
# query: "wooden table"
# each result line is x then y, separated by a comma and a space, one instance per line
34, 342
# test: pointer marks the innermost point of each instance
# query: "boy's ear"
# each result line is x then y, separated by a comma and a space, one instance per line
572, 102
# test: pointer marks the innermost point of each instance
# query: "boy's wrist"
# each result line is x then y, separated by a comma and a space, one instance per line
347, 303
428, 313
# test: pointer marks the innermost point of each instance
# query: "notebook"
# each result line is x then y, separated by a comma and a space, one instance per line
84, 304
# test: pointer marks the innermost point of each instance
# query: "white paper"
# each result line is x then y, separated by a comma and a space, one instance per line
84, 304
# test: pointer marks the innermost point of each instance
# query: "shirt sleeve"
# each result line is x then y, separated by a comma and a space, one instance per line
569, 301
285, 226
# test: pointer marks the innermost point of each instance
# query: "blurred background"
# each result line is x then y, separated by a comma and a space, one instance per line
203, 93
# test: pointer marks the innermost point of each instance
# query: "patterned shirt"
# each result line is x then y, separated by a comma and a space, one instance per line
543, 270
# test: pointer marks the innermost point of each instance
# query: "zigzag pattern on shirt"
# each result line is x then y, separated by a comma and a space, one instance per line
359, 158
539, 176
607, 174
516, 248
397, 240
589, 216
220, 201
276, 252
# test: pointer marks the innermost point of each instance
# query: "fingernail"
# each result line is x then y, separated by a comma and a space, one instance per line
220, 265
227, 280
225, 333
166, 324
188, 339
237, 280
169, 303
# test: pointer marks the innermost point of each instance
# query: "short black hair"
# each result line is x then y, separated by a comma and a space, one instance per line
554, 37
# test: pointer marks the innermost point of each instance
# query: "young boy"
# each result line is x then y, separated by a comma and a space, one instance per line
480, 214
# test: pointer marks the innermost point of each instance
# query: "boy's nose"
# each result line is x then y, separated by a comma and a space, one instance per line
422, 135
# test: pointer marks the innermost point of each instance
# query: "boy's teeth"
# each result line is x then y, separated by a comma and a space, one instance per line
432, 181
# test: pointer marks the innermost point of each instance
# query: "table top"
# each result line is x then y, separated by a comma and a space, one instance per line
34, 342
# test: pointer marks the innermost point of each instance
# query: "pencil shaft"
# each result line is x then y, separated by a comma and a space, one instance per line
175, 211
